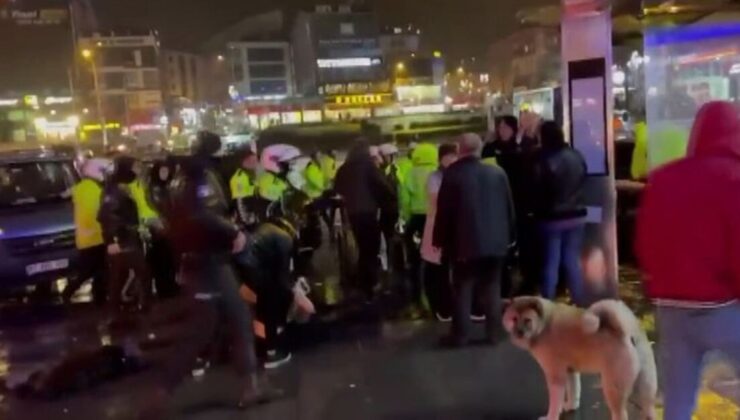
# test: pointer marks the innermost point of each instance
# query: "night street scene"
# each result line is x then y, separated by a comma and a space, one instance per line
370, 209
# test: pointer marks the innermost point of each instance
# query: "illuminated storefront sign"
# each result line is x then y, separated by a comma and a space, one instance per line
9, 102
40, 17
329, 63
360, 99
57, 100
96, 127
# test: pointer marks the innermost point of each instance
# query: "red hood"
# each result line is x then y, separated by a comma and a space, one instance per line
716, 131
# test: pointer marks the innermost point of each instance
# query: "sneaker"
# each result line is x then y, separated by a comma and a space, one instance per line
477, 318
276, 358
443, 318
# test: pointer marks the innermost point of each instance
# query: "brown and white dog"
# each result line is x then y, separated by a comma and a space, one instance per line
605, 338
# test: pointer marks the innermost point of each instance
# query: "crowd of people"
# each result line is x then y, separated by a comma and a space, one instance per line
473, 216
469, 222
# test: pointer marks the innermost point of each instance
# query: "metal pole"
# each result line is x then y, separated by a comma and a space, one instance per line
99, 103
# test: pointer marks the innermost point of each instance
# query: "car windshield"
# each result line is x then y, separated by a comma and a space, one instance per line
35, 182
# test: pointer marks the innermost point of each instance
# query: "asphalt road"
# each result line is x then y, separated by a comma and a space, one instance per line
351, 364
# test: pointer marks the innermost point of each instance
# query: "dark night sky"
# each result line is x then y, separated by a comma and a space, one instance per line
460, 28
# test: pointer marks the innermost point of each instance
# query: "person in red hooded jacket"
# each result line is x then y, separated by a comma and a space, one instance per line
688, 244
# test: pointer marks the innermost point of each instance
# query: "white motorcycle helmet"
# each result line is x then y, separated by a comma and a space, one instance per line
388, 149
273, 156
274, 159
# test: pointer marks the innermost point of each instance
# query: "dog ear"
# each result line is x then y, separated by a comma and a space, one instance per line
533, 303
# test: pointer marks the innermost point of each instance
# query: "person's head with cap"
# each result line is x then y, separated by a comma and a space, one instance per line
470, 145
123, 170
447, 155
207, 144
552, 136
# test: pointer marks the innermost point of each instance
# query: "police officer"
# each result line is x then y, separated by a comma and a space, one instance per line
271, 186
244, 189
328, 164
119, 219
206, 239
414, 204
315, 181
86, 197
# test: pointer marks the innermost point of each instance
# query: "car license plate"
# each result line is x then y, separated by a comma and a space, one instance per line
47, 266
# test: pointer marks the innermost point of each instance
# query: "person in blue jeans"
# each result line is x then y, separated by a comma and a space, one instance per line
560, 212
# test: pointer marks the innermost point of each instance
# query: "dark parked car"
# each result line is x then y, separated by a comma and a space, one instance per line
37, 232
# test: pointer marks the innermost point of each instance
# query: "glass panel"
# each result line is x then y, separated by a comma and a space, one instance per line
686, 67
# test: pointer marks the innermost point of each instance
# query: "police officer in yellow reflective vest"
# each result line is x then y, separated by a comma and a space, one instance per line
414, 210
328, 164
271, 188
86, 196
243, 189
315, 180
139, 193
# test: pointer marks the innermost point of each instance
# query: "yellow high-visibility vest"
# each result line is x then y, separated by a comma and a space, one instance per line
86, 196
241, 185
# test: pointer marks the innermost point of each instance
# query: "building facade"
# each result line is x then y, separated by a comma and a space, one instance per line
129, 80
262, 70
181, 77
338, 58
399, 43
527, 59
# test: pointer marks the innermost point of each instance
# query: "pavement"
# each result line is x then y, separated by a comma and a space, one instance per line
351, 363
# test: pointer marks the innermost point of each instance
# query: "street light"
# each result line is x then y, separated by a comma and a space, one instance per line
400, 66
88, 55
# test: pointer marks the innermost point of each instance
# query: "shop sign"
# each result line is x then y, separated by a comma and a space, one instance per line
96, 127
360, 99
39, 17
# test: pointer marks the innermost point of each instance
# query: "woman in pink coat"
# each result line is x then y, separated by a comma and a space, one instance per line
436, 273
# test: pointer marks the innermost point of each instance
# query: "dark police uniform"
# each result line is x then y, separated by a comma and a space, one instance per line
203, 234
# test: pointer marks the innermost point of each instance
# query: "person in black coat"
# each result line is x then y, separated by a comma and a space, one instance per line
119, 220
365, 193
516, 153
475, 228
561, 212
206, 239
162, 260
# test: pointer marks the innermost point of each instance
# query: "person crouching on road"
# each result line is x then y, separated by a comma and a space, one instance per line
265, 262
119, 219
86, 198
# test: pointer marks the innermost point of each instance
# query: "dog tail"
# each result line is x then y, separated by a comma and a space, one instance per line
616, 317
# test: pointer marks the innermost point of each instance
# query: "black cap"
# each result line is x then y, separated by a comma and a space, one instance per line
207, 144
